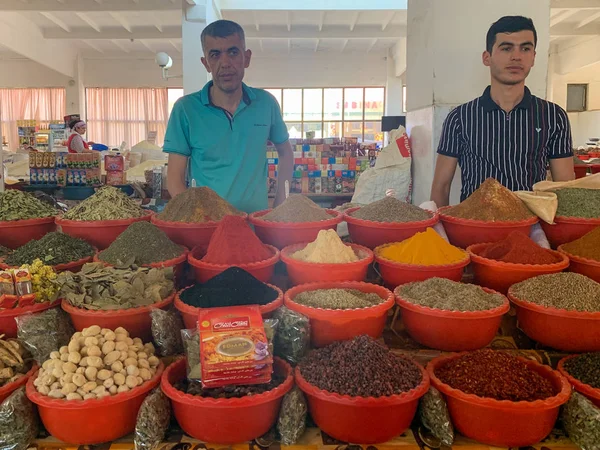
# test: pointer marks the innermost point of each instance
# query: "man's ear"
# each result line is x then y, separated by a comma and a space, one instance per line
247, 58
485, 57
205, 64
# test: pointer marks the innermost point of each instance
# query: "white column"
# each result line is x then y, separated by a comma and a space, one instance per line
393, 88
444, 46
75, 90
192, 24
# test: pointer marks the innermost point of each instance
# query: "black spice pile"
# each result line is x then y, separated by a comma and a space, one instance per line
53, 249
233, 287
360, 368
585, 368
195, 388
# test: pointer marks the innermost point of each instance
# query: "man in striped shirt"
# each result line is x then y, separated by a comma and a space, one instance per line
507, 133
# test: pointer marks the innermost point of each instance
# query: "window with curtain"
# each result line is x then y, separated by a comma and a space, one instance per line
115, 115
40, 104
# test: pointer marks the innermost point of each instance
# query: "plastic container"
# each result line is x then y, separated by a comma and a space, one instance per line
8, 325
86, 422
593, 394
395, 273
100, 233
204, 271
569, 331
503, 423
451, 331
362, 420
584, 157
585, 266
500, 275
283, 234
301, 272
330, 325
595, 168
190, 313
225, 421
77, 192
9, 388
465, 232
16, 233
581, 171
372, 234
74, 266
188, 234
568, 229
135, 320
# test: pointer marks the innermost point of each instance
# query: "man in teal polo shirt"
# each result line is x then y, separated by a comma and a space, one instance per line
218, 136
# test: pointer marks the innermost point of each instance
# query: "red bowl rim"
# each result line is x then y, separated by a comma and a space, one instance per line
264, 309
576, 220
390, 225
92, 403
420, 267
452, 314
198, 263
486, 223
551, 402
14, 385
311, 312
103, 223
476, 258
578, 259
58, 267
18, 311
191, 226
157, 265
26, 222
110, 313
255, 219
551, 311
390, 400
286, 257
204, 402
579, 386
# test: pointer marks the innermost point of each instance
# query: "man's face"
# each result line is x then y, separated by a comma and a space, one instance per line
226, 59
512, 57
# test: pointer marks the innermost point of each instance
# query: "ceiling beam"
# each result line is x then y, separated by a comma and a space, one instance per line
315, 5
145, 44
387, 21
577, 4
89, 21
344, 45
51, 17
256, 23
317, 45
322, 20
566, 13
175, 46
289, 45
87, 5
120, 45
588, 20
307, 32
91, 44
260, 43
354, 20
289, 20
146, 32
371, 45
157, 22
119, 18
568, 30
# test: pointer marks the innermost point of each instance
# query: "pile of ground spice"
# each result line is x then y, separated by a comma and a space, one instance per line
585, 368
141, 243
518, 248
338, 299
232, 287
360, 367
587, 246
577, 202
495, 374
297, 208
53, 249
566, 290
390, 209
328, 248
231, 391
491, 202
197, 205
108, 203
441, 293
234, 242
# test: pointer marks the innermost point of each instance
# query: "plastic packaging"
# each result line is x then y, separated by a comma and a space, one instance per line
166, 326
45, 332
434, 415
581, 420
152, 421
292, 340
19, 423
191, 345
292, 417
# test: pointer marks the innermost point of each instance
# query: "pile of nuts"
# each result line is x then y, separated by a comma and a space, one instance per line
98, 362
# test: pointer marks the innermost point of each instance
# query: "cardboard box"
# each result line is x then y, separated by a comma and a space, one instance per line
115, 178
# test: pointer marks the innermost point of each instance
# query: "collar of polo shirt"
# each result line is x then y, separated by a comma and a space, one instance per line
248, 96
489, 104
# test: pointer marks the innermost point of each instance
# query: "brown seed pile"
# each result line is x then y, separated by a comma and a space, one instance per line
297, 208
360, 367
230, 391
338, 299
197, 205
390, 209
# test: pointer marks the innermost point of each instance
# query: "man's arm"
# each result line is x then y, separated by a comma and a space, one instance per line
176, 174
177, 145
445, 167
562, 169
285, 168
560, 149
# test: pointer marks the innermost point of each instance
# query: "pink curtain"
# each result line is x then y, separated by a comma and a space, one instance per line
41, 104
117, 115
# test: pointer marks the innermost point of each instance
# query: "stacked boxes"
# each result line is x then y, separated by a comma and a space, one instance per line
115, 170
64, 169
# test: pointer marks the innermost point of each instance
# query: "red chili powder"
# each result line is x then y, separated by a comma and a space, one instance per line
519, 249
234, 242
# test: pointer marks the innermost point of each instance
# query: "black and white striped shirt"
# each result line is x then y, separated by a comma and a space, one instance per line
513, 147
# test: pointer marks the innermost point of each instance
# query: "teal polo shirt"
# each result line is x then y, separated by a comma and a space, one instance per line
227, 153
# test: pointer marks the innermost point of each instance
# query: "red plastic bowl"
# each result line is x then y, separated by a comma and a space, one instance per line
581, 171
190, 313
568, 229
465, 232
225, 421
301, 272
282, 234
500, 275
9, 388
595, 168
135, 320
189, 235
86, 422
330, 325
570, 331
100, 233
503, 423
204, 271
372, 234
74, 266
395, 273
585, 266
363, 420
584, 157
451, 331
16, 233
593, 394
8, 324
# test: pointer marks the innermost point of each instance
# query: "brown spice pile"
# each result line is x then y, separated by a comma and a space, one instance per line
197, 205
390, 209
491, 202
587, 246
297, 208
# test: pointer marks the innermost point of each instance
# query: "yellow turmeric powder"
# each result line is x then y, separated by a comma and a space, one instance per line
426, 248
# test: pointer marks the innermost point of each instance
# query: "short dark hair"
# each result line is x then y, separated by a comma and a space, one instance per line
509, 24
222, 29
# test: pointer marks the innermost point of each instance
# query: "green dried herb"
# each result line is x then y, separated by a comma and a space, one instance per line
19, 423
338, 299
292, 340
576, 202
108, 203
18, 205
53, 249
292, 417
586, 368
152, 421
581, 420
434, 415
4, 252
45, 332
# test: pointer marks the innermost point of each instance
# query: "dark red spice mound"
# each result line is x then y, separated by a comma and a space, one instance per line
517, 248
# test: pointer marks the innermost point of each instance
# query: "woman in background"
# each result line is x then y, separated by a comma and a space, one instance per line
76, 143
